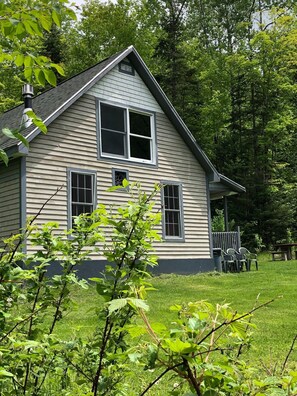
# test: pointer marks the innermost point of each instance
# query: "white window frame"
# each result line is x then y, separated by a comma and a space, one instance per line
173, 238
127, 156
69, 190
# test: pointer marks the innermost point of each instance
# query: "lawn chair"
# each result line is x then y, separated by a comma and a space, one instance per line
251, 257
240, 259
228, 262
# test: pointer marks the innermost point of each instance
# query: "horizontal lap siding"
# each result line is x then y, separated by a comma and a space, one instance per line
71, 142
9, 199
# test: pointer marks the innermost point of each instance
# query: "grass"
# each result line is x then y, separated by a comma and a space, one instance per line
276, 323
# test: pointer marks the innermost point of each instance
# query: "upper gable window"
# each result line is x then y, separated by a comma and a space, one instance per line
126, 67
127, 134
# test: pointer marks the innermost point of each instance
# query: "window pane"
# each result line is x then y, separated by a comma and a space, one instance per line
113, 142
140, 148
140, 124
172, 224
89, 198
74, 179
172, 210
81, 181
81, 195
74, 210
74, 195
88, 181
112, 117
119, 176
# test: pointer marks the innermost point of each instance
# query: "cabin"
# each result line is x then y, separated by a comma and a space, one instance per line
111, 122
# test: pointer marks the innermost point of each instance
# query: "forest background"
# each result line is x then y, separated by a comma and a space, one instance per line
230, 69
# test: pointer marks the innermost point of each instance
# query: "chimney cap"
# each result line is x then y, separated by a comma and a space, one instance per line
27, 89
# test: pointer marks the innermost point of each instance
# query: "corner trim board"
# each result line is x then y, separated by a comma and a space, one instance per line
23, 196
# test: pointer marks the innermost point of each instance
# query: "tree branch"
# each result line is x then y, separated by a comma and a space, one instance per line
289, 353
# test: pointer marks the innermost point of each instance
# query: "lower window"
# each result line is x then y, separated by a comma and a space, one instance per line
172, 211
82, 193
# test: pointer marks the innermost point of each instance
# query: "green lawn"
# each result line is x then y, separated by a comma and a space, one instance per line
276, 323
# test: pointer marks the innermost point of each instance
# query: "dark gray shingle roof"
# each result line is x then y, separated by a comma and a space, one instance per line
49, 101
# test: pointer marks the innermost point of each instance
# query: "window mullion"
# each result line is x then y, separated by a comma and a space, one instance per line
152, 139
128, 133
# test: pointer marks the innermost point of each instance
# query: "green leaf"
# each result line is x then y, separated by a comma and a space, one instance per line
3, 157
40, 77
136, 331
50, 76
29, 28
9, 133
179, 346
134, 357
115, 305
45, 22
5, 373
22, 139
56, 18
158, 327
28, 61
36, 121
138, 303
19, 60
114, 188
28, 74
125, 183
59, 68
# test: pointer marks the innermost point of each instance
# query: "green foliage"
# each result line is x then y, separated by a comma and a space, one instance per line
22, 28
108, 27
123, 286
217, 222
32, 303
202, 349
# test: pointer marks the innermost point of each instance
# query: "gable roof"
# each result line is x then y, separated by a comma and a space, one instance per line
51, 103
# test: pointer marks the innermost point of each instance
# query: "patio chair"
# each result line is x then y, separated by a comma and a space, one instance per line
241, 260
251, 257
228, 262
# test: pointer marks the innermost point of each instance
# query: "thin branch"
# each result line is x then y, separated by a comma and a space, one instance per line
228, 322
108, 324
159, 377
180, 10
77, 368
19, 323
289, 353
249, 322
23, 236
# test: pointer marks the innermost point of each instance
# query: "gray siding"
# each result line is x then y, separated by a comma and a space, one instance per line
10, 198
71, 142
